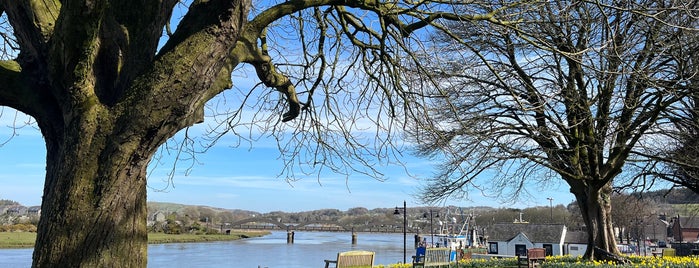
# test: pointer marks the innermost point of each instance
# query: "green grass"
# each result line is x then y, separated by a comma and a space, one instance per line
26, 239
17, 239
160, 238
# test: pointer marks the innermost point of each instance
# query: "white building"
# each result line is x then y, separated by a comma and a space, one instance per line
516, 238
575, 243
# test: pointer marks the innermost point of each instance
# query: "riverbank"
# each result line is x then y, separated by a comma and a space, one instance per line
26, 239
273, 251
161, 238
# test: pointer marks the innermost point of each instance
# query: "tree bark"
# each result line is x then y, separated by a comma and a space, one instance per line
595, 205
104, 107
94, 208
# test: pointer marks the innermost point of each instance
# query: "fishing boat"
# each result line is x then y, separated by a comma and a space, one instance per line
455, 234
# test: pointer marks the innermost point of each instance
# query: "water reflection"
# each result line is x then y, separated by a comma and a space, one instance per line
272, 251
16, 258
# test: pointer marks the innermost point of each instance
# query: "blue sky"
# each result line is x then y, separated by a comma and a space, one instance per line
246, 178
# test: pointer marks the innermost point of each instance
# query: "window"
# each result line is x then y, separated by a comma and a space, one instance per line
492, 248
549, 249
521, 250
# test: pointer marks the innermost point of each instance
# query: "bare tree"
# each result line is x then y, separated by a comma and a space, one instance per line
679, 161
632, 210
577, 91
109, 82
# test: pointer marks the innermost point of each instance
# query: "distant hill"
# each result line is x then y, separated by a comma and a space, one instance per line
182, 209
672, 196
5, 202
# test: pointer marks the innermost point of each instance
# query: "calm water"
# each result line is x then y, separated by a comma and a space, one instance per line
272, 251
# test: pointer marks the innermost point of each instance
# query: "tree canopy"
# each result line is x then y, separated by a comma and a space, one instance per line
679, 160
578, 91
571, 87
109, 82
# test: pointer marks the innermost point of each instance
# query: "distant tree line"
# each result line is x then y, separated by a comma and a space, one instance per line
675, 196
5, 202
652, 204
203, 219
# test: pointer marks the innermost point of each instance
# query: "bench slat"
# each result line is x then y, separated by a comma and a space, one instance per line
435, 257
353, 259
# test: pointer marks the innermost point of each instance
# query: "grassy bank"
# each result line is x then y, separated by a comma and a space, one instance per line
161, 238
26, 239
17, 239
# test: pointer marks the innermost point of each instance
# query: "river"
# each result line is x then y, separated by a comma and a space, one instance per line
271, 251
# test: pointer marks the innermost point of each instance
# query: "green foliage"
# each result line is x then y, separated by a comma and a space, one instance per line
19, 227
172, 226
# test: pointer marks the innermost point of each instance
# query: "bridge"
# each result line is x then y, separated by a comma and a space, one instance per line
272, 223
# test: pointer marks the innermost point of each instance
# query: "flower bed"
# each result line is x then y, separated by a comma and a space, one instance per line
637, 262
576, 262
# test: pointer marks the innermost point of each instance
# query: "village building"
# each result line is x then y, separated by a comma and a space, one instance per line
16, 210
158, 217
575, 243
684, 229
34, 211
514, 239
657, 230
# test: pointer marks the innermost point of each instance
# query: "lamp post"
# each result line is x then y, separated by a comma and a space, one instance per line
551, 206
431, 227
643, 238
405, 220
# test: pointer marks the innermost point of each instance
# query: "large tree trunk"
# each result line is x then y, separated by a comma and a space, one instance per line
103, 121
595, 205
94, 203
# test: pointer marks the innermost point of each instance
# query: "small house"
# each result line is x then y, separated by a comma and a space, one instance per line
158, 216
516, 238
684, 229
34, 211
17, 210
575, 243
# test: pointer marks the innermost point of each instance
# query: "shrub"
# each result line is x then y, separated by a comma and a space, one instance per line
19, 227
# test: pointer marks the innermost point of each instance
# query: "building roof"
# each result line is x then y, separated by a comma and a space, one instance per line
689, 222
576, 237
536, 233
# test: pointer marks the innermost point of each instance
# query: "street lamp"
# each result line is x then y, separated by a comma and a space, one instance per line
643, 238
551, 206
431, 228
405, 220
639, 235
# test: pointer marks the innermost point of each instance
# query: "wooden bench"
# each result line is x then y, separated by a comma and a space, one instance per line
434, 257
465, 254
535, 256
668, 252
353, 259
